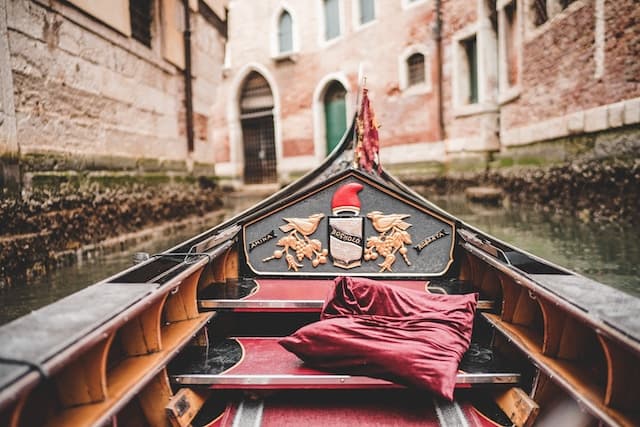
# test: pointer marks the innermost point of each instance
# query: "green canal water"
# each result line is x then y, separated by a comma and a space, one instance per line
607, 253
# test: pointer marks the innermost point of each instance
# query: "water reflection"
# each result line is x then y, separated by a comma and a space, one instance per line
26, 295
604, 252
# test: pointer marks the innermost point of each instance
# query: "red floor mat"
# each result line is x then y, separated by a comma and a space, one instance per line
349, 408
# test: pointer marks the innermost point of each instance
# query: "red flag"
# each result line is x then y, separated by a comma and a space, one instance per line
368, 141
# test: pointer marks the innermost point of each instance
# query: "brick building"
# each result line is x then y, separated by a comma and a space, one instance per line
102, 87
453, 81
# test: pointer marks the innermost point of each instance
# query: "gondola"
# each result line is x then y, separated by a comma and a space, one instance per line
345, 298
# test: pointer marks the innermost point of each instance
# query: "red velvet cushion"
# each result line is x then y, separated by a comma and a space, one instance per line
379, 330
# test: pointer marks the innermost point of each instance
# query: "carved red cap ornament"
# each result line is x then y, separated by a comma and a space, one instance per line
346, 200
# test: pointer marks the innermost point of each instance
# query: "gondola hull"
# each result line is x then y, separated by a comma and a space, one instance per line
198, 334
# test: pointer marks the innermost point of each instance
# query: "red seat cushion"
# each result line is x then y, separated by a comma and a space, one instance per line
375, 329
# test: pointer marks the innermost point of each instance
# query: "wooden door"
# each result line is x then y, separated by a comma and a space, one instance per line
335, 114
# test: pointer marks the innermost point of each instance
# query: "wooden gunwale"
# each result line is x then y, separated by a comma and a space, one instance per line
547, 349
564, 373
145, 313
213, 253
540, 291
72, 352
133, 375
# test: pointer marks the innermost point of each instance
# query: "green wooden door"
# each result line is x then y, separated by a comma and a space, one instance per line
335, 114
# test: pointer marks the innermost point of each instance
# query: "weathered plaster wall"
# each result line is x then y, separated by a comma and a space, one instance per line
82, 89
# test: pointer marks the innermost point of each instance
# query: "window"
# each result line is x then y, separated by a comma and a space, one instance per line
367, 11
415, 69
543, 10
469, 93
285, 33
141, 17
539, 10
510, 62
331, 19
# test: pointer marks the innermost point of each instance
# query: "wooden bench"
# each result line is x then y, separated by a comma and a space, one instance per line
261, 363
296, 295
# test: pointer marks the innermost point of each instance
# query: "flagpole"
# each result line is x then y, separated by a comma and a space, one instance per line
357, 111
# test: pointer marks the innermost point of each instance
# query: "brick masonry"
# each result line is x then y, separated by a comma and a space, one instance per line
78, 88
299, 81
575, 74
559, 70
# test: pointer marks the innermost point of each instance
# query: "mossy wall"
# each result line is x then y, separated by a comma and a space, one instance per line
65, 203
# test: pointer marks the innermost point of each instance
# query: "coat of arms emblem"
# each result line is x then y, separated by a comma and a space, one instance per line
346, 228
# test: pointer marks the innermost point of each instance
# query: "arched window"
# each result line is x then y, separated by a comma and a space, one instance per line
285, 33
415, 69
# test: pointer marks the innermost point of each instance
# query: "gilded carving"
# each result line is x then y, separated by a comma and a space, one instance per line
298, 242
392, 239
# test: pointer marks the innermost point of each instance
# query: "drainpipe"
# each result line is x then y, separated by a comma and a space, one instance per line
437, 34
188, 94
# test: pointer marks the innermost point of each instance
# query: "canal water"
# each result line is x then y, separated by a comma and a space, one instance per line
607, 253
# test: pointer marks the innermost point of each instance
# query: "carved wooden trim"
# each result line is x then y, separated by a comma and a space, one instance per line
181, 303
154, 397
231, 268
622, 375
85, 379
518, 406
554, 320
185, 405
141, 335
510, 294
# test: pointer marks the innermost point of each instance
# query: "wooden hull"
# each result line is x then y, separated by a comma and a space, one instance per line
191, 335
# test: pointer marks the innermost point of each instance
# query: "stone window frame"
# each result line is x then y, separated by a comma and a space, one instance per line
459, 78
292, 54
408, 4
507, 92
323, 42
403, 70
555, 10
355, 13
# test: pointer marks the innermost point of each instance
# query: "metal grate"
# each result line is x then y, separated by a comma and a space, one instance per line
140, 13
259, 150
256, 95
415, 67
256, 114
539, 9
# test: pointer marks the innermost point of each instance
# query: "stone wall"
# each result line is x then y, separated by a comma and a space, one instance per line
93, 131
84, 91
580, 74
39, 232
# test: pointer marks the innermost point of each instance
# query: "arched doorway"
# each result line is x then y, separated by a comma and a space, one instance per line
335, 114
258, 136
